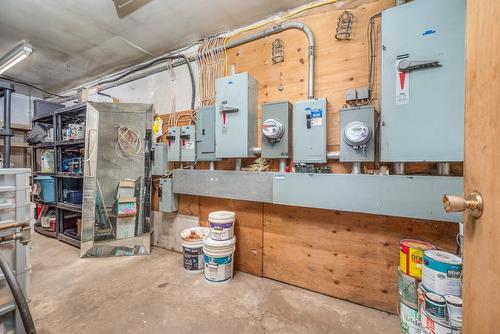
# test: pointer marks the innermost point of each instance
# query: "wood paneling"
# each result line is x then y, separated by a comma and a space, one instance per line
248, 230
482, 163
346, 255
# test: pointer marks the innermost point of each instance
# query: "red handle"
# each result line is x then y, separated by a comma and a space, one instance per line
224, 117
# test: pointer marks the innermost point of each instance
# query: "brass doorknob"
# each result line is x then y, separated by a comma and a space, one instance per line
473, 203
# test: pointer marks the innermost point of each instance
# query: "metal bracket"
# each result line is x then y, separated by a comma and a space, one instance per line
405, 65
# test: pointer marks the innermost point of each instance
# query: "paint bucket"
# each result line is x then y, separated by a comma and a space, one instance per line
408, 289
454, 310
442, 273
221, 224
431, 326
421, 296
409, 319
410, 256
435, 306
48, 189
192, 245
219, 259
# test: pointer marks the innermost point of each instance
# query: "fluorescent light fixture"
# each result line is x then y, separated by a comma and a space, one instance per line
20, 52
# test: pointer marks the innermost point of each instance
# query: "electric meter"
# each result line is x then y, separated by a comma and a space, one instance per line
273, 130
357, 134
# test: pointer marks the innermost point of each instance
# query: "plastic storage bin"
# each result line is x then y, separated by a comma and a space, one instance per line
74, 196
48, 185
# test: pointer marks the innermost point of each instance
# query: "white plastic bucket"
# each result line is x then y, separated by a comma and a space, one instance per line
192, 245
221, 224
442, 273
219, 259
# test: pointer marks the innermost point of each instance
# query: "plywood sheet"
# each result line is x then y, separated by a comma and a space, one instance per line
346, 255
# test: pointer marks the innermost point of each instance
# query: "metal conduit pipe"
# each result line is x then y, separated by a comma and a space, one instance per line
356, 168
399, 168
211, 165
400, 2
443, 168
237, 166
120, 79
282, 167
333, 155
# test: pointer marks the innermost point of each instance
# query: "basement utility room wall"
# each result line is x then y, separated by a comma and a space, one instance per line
347, 255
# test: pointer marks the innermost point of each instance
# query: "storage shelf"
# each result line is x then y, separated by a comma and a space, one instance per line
70, 175
44, 231
37, 201
17, 145
44, 145
75, 142
69, 240
44, 173
70, 207
43, 119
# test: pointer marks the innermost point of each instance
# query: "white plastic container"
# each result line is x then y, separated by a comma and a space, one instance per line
219, 259
221, 224
192, 245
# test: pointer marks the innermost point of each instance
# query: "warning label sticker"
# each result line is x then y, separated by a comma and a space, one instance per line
316, 117
402, 84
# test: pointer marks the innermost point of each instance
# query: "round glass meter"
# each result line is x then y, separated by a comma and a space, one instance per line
357, 134
273, 129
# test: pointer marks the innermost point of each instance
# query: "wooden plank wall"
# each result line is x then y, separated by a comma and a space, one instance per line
352, 256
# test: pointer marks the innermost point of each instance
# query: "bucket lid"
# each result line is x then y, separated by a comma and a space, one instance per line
221, 215
194, 234
433, 297
442, 256
208, 241
453, 300
416, 244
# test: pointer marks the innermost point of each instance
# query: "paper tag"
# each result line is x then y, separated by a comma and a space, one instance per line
316, 117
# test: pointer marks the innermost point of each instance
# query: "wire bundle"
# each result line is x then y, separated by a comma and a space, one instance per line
129, 142
211, 65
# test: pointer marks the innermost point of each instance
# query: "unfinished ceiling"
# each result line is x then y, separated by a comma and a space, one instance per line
75, 41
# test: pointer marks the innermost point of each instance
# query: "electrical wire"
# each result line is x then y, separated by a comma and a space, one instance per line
128, 142
33, 86
372, 42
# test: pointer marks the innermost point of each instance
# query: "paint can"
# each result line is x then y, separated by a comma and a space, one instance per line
219, 259
192, 246
410, 256
454, 310
221, 224
408, 289
431, 326
435, 306
442, 273
409, 319
421, 296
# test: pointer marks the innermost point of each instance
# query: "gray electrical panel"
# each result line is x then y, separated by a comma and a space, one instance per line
160, 159
168, 200
235, 116
188, 143
422, 116
357, 134
276, 125
205, 134
309, 131
174, 143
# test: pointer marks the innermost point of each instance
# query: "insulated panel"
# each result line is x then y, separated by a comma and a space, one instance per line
174, 143
188, 143
391, 195
235, 116
281, 112
205, 134
309, 131
422, 116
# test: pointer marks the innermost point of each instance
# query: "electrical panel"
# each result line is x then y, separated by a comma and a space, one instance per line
309, 131
174, 143
160, 159
205, 134
235, 116
188, 143
422, 116
275, 133
168, 199
357, 134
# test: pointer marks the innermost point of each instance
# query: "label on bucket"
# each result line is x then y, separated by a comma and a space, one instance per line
442, 278
193, 258
223, 231
218, 269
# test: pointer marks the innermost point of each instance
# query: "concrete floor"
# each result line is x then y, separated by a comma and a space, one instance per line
153, 294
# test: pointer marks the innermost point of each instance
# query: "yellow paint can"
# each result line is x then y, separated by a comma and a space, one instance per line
411, 253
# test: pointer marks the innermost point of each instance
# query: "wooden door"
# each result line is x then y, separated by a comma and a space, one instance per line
481, 280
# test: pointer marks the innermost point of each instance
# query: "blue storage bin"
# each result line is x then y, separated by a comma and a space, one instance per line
74, 196
48, 188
